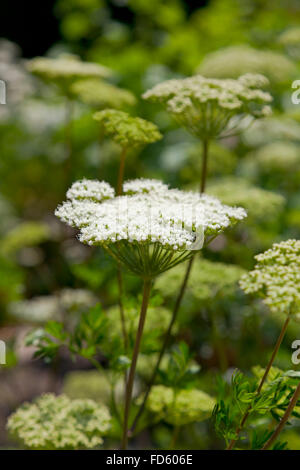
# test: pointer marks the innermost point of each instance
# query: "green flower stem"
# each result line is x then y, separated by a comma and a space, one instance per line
178, 299
284, 419
270, 363
129, 386
204, 166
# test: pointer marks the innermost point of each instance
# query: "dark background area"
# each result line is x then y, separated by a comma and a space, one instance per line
34, 26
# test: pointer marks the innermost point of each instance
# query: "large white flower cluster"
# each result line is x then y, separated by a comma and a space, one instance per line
151, 213
206, 106
276, 278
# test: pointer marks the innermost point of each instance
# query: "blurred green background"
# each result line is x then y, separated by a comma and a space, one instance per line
145, 42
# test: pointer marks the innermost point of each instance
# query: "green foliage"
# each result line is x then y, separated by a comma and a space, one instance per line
180, 371
241, 397
24, 234
85, 340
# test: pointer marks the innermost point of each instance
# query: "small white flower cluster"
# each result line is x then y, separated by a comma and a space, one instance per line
154, 214
91, 190
206, 106
276, 277
56, 422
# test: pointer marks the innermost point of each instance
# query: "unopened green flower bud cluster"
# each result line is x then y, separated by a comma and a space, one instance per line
126, 130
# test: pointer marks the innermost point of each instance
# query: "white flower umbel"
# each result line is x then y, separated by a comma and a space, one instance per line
150, 231
211, 108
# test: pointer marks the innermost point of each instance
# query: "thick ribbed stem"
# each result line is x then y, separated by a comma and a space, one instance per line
284, 419
139, 334
270, 363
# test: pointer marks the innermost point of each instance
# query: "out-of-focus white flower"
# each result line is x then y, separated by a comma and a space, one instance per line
52, 307
66, 67
233, 61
